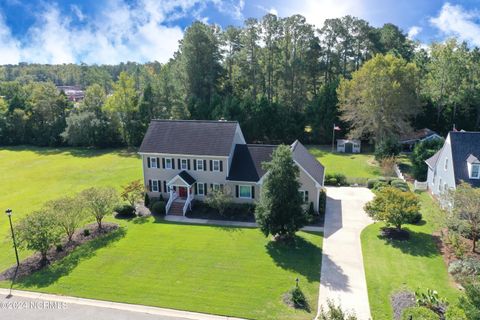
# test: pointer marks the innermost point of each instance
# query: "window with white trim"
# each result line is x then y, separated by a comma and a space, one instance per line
200, 188
245, 192
168, 163
199, 164
155, 184
183, 164
475, 171
216, 165
304, 194
153, 162
215, 186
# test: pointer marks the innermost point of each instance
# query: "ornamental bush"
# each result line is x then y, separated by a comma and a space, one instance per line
158, 207
420, 313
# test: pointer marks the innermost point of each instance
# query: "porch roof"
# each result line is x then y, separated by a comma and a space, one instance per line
184, 177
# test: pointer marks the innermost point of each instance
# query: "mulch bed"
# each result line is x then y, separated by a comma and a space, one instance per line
33, 263
400, 301
395, 234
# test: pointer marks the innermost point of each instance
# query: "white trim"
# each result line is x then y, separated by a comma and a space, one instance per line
196, 164
213, 165
203, 189
181, 164
317, 184
304, 192
158, 185
156, 162
171, 163
171, 155
215, 185
471, 171
169, 183
249, 189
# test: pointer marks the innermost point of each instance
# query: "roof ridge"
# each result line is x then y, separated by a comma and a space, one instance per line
259, 145
193, 120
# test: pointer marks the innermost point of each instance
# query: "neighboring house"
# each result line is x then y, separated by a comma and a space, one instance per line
73, 93
457, 161
348, 145
408, 141
185, 159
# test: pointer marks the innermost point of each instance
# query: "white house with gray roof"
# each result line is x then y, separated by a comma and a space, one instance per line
456, 161
184, 160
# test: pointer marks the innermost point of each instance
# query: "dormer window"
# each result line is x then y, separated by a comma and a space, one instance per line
475, 171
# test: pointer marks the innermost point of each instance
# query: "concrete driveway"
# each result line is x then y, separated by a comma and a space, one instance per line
342, 275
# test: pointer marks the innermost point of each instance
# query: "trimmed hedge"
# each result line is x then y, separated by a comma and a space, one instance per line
125, 211
336, 179
419, 313
158, 207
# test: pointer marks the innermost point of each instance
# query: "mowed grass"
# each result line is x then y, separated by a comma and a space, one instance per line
31, 176
415, 264
361, 165
219, 270
228, 271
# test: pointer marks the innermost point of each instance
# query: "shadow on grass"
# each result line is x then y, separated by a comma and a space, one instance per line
52, 273
76, 152
299, 256
420, 244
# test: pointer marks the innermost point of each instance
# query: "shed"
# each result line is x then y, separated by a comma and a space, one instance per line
348, 145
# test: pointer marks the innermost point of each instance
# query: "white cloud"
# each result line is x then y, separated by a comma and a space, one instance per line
454, 20
413, 32
142, 30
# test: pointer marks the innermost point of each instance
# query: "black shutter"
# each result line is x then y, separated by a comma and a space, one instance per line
179, 166
306, 196
159, 186
221, 166
253, 192
205, 189
236, 191
195, 187
165, 186
204, 165
158, 162
163, 163
173, 163
148, 162
211, 165
188, 161
194, 164
150, 185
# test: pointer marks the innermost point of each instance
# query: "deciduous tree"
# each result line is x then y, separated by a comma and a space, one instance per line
99, 202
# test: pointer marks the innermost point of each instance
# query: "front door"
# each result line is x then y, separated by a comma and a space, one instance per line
182, 192
348, 147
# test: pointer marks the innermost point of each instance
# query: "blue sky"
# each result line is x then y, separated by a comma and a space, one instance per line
112, 31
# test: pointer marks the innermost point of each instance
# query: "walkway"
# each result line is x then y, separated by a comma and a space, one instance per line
342, 277
223, 223
28, 305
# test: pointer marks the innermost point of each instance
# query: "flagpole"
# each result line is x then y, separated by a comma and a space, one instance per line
333, 138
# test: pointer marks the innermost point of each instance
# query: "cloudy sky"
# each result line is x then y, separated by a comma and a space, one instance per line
112, 31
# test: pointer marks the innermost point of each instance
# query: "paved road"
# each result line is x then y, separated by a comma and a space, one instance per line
342, 275
24, 305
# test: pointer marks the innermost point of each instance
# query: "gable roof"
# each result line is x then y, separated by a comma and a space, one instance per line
464, 145
189, 137
417, 135
432, 161
247, 161
308, 162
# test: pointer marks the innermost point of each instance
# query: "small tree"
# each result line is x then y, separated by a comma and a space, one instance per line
68, 213
387, 165
38, 231
133, 192
218, 200
465, 210
279, 211
99, 202
393, 206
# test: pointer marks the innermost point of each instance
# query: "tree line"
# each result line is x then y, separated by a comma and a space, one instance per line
279, 77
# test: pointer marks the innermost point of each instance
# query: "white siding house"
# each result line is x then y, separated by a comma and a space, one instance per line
348, 145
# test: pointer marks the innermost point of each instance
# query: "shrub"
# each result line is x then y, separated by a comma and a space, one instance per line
371, 183
455, 313
454, 240
470, 302
334, 312
298, 299
310, 212
400, 184
125, 211
59, 248
161, 197
336, 179
387, 148
159, 208
322, 201
146, 201
387, 165
422, 151
431, 300
379, 185
86, 232
464, 270
415, 218
218, 200
420, 313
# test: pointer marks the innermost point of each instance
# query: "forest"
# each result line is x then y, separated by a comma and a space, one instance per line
281, 78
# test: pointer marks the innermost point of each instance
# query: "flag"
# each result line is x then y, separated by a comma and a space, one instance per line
336, 128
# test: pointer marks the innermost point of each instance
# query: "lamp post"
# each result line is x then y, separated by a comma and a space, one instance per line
9, 214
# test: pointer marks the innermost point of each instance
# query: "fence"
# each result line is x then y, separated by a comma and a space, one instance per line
398, 172
418, 185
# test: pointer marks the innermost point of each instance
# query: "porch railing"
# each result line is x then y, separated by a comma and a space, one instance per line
173, 196
187, 203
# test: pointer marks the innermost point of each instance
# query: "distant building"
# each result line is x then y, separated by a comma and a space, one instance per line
348, 145
457, 161
408, 141
73, 93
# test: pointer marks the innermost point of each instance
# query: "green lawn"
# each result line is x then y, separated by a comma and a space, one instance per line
361, 165
414, 264
230, 271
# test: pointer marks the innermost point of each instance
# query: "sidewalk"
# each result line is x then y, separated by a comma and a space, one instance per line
70, 310
182, 219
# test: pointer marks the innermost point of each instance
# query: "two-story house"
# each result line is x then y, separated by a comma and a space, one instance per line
456, 161
186, 159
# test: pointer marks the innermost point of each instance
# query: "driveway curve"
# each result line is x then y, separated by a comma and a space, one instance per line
342, 274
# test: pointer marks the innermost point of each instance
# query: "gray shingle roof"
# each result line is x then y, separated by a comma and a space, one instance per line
432, 161
463, 145
187, 177
247, 161
190, 137
308, 162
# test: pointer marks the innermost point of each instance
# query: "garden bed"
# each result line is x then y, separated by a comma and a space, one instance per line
34, 262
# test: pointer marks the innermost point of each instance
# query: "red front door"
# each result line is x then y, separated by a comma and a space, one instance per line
182, 192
